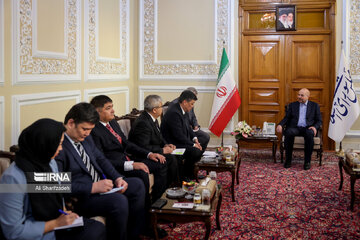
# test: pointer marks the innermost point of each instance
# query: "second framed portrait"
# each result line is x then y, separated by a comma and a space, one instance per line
286, 18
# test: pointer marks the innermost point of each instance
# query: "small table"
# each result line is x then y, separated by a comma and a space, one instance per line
221, 166
260, 139
353, 176
183, 215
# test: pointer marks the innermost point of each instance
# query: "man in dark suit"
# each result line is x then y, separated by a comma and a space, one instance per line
303, 118
93, 174
128, 158
202, 136
176, 130
145, 133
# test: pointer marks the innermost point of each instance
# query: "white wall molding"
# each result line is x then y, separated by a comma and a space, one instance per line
150, 68
48, 54
98, 68
156, 61
44, 67
30, 99
89, 93
97, 56
2, 123
2, 26
178, 89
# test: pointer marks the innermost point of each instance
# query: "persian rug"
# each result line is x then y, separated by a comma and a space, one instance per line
277, 203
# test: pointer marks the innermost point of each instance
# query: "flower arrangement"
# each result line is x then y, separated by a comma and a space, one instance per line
242, 130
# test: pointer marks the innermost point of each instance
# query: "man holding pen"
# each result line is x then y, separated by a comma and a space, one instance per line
93, 175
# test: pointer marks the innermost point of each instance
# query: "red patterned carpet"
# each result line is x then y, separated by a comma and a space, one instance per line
277, 203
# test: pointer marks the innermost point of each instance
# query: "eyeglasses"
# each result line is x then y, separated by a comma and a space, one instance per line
159, 107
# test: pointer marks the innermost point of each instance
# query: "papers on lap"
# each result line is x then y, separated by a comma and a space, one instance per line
178, 151
112, 190
78, 222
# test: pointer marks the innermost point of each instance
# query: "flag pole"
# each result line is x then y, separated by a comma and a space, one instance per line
340, 153
222, 139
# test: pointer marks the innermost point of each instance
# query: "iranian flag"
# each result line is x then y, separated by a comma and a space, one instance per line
226, 98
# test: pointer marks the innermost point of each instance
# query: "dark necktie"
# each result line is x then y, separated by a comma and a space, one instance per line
117, 137
86, 160
114, 133
157, 125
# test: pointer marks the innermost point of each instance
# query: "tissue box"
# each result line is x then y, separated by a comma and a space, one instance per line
211, 185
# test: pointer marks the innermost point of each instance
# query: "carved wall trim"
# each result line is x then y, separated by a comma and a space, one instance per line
2, 26
152, 69
29, 99
2, 123
46, 54
351, 32
44, 67
89, 93
99, 68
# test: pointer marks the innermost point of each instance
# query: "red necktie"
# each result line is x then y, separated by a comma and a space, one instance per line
117, 137
114, 133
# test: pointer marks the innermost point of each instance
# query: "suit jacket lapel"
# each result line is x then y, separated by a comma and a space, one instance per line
152, 124
71, 148
107, 132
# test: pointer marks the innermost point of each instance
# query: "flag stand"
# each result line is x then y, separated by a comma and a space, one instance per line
340, 153
222, 139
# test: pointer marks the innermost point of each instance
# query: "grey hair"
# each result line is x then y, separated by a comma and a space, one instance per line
193, 90
151, 102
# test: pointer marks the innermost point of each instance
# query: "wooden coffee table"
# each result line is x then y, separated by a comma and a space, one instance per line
260, 139
221, 166
179, 215
353, 176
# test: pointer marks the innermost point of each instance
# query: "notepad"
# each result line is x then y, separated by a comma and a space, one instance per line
78, 222
179, 151
112, 190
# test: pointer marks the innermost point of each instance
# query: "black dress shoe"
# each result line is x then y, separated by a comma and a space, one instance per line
287, 165
307, 166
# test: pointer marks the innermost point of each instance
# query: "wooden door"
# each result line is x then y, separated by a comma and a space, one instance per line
263, 70
307, 66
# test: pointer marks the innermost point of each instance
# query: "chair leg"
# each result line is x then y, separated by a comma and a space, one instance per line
320, 160
281, 154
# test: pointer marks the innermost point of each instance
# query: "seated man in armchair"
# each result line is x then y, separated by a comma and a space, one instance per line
303, 118
145, 133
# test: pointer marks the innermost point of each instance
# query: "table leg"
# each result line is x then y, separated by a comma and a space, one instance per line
196, 170
352, 182
237, 170
218, 227
274, 150
154, 223
341, 173
232, 184
208, 227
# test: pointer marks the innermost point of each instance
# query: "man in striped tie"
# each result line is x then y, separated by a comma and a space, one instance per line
93, 174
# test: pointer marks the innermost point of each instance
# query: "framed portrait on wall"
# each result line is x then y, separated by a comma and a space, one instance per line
286, 18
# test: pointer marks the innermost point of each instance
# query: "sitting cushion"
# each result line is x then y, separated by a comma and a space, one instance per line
299, 141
